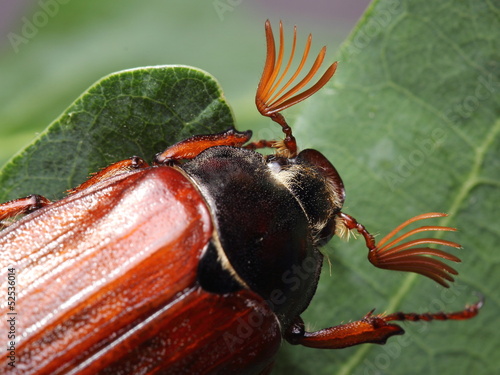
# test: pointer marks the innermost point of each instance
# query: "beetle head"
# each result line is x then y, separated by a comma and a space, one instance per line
316, 185
311, 178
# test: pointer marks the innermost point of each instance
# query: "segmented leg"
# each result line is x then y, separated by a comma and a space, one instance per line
193, 146
260, 144
405, 257
11, 209
371, 329
115, 169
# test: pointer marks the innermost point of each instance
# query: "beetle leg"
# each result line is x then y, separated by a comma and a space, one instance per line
373, 329
11, 209
285, 148
405, 257
193, 146
115, 169
263, 143
370, 329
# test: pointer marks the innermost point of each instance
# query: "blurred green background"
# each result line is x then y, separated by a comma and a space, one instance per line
52, 50
412, 67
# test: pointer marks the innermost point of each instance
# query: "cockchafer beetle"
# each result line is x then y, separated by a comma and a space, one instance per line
159, 269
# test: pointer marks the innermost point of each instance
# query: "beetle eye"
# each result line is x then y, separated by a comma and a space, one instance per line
275, 167
276, 163
327, 232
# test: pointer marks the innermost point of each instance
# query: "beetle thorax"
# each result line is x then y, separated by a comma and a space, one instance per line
262, 227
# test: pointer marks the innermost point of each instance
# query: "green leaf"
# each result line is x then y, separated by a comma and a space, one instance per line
411, 121
133, 112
